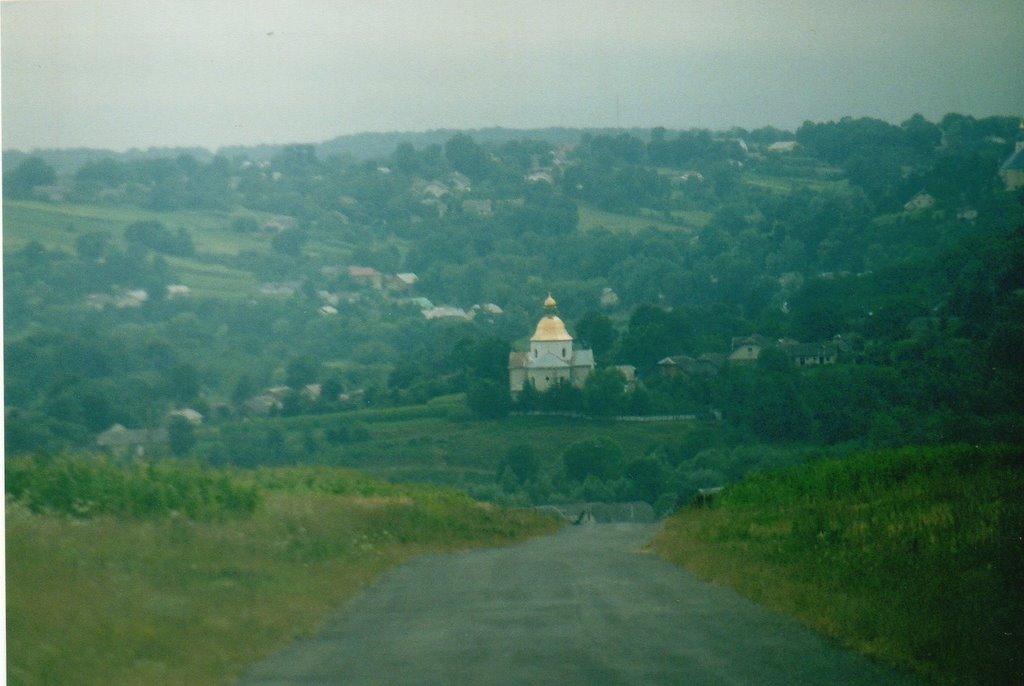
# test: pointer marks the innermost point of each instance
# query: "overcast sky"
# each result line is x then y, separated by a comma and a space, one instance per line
140, 74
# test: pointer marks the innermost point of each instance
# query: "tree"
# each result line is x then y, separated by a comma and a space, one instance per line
302, 370
648, 475
600, 457
522, 461
245, 224
488, 399
596, 330
289, 242
180, 436
30, 172
92, 245
183, 382
603, 392
466, 156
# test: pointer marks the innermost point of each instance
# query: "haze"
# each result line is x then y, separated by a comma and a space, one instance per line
118, 75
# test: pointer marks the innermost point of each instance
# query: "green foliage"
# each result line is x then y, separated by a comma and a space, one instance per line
488, 399
604, 392
155, 236
87, 486
30, 172
522, 460
600, 458
180, 436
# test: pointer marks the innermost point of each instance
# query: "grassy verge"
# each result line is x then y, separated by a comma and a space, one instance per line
913, 556
174, 577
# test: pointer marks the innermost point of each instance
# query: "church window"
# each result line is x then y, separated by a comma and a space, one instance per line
563, 352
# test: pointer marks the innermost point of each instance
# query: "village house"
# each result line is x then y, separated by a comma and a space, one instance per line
782, 146
922, 200
193, 417
420, 302
263, 404
446, 312
120, 439
178, 290
609, 298
967, 214
747, 349
540, 176
480, 208
551, 358
130, 299
813, 354
434, 189
1012, 170
403, 281
365, 276
460, 182
707, 364
327, 310
278, 223
285, 289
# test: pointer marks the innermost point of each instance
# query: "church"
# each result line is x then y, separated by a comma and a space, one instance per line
551, 357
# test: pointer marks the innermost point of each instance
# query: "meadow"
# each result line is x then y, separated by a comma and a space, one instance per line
186, 574
913, 556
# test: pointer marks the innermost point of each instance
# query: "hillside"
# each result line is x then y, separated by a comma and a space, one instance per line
250, 288
913, 555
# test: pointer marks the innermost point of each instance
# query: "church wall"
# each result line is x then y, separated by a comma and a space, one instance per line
560, 349
580, 374
516, 378
544, 379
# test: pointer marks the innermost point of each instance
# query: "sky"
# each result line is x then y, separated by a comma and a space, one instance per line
231, 72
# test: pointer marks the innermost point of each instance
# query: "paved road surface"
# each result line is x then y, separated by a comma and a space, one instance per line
581, 607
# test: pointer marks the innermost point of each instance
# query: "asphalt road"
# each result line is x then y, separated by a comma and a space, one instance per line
585, 606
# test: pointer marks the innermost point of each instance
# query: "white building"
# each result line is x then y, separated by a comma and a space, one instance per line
551, 357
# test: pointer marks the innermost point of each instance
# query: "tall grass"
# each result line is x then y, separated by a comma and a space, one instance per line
115, 594
913, 555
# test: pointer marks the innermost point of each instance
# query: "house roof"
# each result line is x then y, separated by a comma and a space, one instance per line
583, 358
550, 328
754, 339
118, 436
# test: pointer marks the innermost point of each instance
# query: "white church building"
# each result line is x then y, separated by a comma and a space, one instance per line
551, 357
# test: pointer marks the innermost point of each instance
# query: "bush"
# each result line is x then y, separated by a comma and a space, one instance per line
85, 486
488, 399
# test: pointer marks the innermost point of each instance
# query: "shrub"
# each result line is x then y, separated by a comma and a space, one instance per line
85, 486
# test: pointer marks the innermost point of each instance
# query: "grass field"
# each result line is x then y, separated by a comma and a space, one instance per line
159, 596
58, 226
786, 185
593, 218
913, 556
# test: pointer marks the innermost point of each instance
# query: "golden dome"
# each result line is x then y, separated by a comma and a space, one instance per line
549, 302
551, 328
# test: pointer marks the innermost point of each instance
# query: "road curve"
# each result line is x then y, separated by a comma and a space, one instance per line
585, 606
